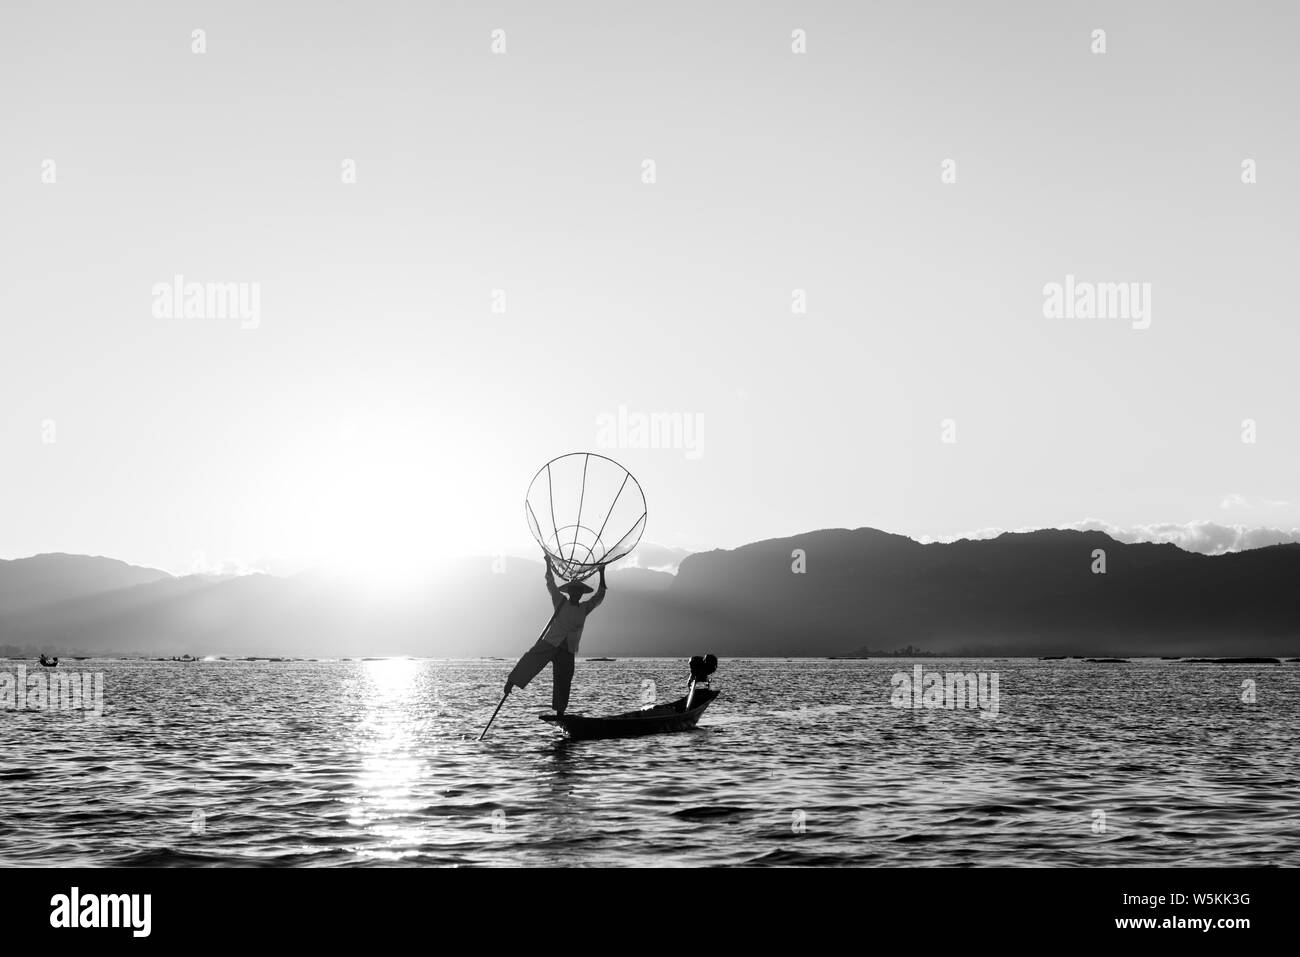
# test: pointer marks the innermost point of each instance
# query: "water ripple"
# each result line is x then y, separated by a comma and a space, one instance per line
799, 763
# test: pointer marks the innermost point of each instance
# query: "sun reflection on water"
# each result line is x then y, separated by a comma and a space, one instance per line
387, 806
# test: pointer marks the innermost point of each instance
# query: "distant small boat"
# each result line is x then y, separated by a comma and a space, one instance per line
48, 662
602, 659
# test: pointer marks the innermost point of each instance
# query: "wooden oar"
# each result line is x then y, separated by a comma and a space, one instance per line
494, 716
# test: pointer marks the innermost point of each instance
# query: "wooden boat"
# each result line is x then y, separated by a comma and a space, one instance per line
662, 719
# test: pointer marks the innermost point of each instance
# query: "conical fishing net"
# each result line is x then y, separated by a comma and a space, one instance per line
584, 510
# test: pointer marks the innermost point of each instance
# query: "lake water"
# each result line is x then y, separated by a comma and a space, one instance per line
802, 762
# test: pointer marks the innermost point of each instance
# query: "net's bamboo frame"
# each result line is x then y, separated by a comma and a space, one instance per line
583, 559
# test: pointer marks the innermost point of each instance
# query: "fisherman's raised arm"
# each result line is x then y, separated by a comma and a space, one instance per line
556, 595
600, 593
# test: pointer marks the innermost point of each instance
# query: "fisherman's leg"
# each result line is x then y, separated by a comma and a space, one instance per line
562, 675
533, 661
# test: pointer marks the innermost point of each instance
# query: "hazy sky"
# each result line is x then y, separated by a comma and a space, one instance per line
381, 410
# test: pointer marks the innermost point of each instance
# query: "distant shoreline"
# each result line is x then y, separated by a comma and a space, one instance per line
67, 660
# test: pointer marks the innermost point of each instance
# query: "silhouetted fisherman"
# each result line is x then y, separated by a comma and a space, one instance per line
559, 643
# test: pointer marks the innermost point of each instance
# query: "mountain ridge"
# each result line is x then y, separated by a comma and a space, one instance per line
825, 592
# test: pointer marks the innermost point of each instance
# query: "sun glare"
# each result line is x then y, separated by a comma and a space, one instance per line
376, 500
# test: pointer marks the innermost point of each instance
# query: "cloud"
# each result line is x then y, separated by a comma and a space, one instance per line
658, 558
1233, 500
